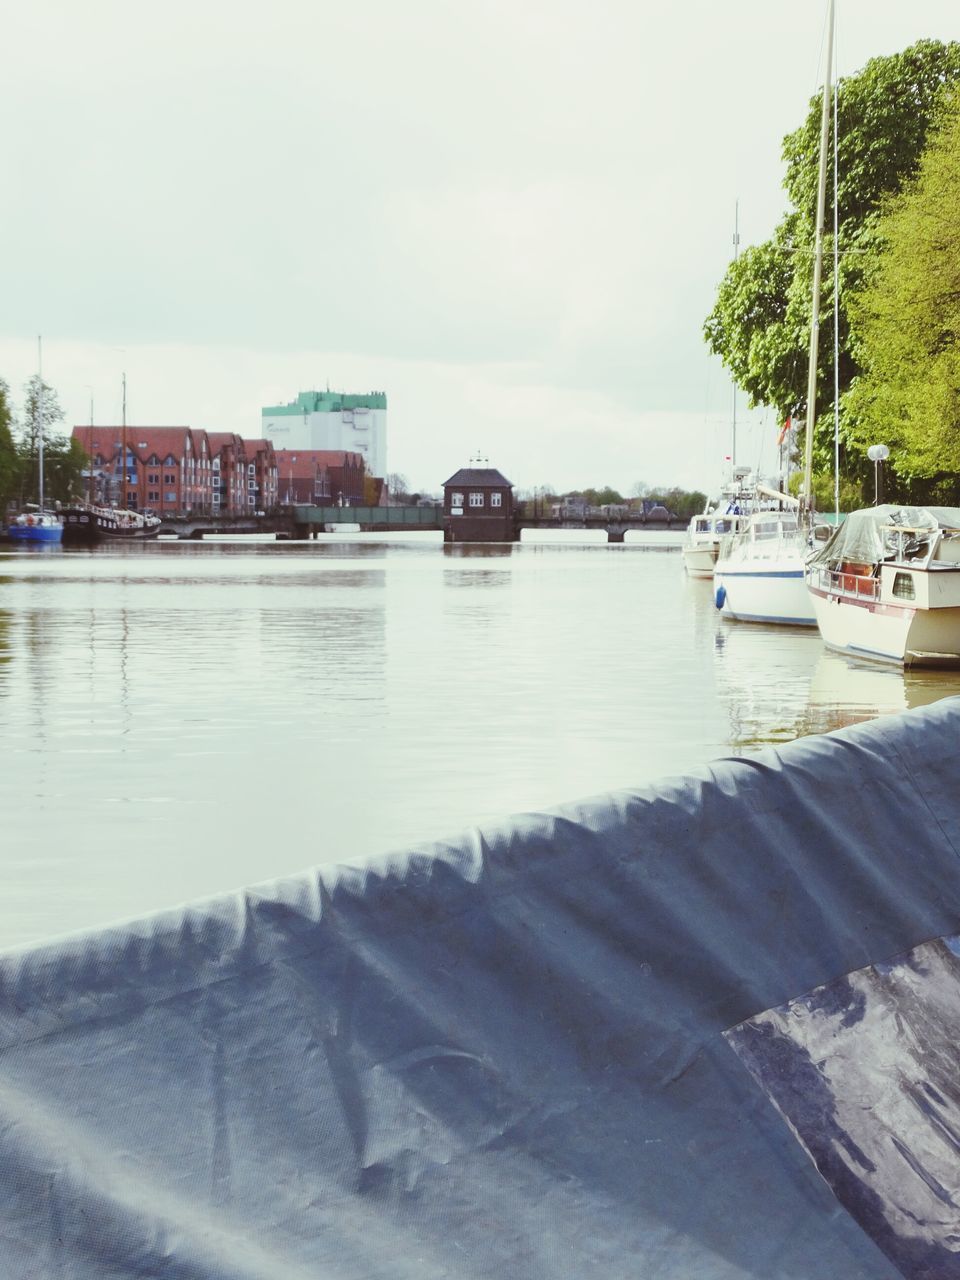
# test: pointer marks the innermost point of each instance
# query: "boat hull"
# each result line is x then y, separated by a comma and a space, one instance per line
87, 528
889, 633
35, 532
699, 561
776, 594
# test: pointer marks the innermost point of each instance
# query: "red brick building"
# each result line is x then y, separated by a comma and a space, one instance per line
174, 470
322, 477
478, 506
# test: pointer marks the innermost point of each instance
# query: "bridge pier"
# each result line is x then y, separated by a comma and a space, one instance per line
615, 533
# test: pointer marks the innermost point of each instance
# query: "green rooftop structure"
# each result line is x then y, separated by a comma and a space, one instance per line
332, 420
308, 402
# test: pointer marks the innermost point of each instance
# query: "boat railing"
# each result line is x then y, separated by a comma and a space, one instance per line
840, 580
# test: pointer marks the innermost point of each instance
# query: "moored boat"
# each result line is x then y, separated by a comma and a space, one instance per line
887, 586
706, 531
88, 524
35, 525
759, 574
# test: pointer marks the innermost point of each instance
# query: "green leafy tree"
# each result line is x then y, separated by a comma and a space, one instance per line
760, 324
907, 321
64, 458
9, 458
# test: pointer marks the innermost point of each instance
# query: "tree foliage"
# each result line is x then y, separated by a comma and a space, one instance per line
907, 322
9, 459
64, 458
760, 323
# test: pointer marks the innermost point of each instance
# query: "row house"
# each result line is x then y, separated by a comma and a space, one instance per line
321, 477
172, 470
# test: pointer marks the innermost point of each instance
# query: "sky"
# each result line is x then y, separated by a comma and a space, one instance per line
511, 217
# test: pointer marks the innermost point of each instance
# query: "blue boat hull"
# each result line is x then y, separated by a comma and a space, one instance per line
35, 532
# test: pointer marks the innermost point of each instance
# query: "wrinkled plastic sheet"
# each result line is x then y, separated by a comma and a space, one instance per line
869, 535
866, 1071
501, 1056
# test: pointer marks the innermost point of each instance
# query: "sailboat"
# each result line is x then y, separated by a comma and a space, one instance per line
89, 523
759, 573
36, 523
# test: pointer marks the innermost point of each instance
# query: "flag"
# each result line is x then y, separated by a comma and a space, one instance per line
784, 430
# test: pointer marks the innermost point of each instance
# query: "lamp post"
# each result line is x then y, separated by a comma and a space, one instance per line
878, 453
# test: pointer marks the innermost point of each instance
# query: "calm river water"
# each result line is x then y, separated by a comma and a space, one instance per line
181, 719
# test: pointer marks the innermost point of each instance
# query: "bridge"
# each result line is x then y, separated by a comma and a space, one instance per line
302, 522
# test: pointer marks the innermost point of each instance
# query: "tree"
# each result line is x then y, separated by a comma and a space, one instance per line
760, 324
907, 321
9, 459
398, 486
64, 459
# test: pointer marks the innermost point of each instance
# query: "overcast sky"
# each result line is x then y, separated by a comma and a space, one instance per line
510, 215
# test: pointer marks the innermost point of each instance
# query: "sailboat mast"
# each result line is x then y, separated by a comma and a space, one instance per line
807, 494
123, 444
40, 415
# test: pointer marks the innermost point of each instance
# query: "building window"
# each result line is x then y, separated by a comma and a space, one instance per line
153, 495
153, 479
252, 470
251, 484
496, 499
456, 499
251, 500
476, 499
169, 497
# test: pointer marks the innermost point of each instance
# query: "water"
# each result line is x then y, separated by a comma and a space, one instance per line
180, 719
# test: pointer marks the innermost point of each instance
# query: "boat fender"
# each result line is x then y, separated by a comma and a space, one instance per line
721, 596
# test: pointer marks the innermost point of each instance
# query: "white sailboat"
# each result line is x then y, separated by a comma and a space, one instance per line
36, 523
759, 573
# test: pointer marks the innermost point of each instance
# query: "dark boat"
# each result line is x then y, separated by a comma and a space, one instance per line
89, 524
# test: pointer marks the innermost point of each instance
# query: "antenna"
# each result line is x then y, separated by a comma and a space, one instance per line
40, 414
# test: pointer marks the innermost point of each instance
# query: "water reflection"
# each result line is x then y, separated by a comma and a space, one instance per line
844, 691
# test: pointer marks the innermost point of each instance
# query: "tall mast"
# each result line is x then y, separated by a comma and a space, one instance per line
736, 252
90, 458
807, 493
40, 414
123, 444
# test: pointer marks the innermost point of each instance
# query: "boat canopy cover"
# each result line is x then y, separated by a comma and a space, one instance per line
615, 1041
865, 536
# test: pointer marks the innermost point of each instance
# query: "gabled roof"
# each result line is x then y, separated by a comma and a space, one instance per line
483, 477
143, 441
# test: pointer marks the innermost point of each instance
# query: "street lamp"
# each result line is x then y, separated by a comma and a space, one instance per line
878, 453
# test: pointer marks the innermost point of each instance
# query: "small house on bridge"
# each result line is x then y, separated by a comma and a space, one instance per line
478, 505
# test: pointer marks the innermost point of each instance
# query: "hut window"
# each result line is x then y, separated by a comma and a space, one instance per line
476, 499
456, 499
496, 499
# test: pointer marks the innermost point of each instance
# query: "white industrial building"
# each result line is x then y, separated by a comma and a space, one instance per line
332, 420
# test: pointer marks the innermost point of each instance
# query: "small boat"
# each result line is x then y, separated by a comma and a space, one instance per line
705, 532
887, 586
87, 524
36, 523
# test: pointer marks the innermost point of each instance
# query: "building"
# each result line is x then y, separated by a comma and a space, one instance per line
174, 470
321, 477
478, 505
331, 420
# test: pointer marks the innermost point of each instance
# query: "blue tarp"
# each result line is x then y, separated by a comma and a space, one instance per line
502, 1056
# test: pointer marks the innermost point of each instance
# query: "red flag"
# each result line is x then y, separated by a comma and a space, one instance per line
784, 429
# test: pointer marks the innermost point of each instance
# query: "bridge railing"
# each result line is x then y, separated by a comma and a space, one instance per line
374, 517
